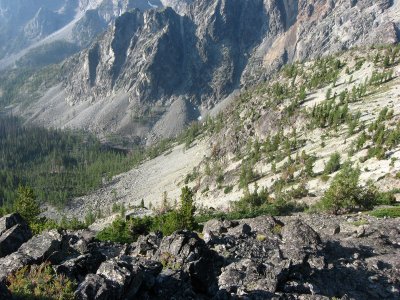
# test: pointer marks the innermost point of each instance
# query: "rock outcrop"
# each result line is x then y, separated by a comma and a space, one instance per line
302, 257
14, 231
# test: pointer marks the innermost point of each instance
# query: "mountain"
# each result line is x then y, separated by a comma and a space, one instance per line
31, 27
288, 136
152, 72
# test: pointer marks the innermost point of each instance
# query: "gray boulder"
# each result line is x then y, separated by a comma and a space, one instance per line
185, 251
9, 221
43, 247
299, 239
126, 277
146, 245
96, 287
13, 238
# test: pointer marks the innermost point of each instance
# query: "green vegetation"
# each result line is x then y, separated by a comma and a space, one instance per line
25, 84
167, 222
58, 165
26, 204
40, 282
333, 164
390, 212
345, 194
360, 222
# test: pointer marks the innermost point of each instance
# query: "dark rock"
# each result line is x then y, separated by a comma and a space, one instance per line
96, 287
9, 221
216, 227
299, 239
125, 276
13, 238
146, 245
78, 266
38, 249
173, 284
250, 275
241, 229
186, 251
336, 230
5, 294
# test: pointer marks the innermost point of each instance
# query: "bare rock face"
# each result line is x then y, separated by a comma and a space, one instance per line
153, 72
29, 24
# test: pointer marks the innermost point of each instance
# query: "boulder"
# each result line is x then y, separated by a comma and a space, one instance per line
146, 245
250, 275
13, 238
96, 287
216, 227
185, 251
126, 277
9, 221
172, 284
77, 267
43, 247
299, 240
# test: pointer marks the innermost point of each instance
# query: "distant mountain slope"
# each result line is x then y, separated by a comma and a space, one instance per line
28, 24
153, 72
288, 136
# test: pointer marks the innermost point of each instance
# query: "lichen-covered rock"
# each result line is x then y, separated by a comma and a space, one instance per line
185, 251
146, 245
127, 277
249, 275
96, 287
43, 247
13, 238
9, 221
290, 257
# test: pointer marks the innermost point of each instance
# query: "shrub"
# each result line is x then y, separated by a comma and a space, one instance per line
40, 282
333, 164
122, 231
228, 189
385, 198
345, 193
247, 175
118, 232
186, 212
300, 192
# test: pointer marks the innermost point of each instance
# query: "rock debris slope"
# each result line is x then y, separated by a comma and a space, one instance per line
304, 257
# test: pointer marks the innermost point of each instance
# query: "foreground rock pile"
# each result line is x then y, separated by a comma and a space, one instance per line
303, 257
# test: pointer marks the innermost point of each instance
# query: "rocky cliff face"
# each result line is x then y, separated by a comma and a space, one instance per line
26, 25
165, 62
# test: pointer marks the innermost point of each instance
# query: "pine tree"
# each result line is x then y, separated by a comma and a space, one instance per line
26, 204
187, 209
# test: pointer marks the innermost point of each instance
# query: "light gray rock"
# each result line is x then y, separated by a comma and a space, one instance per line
43, 247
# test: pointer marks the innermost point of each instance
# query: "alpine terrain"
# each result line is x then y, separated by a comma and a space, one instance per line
200, 149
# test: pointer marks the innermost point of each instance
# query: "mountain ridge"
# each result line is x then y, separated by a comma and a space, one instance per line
185, 63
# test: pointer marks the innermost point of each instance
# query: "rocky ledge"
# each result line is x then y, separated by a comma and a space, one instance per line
299, 257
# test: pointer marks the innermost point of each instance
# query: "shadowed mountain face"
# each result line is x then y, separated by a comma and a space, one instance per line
153, 71
28, 24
